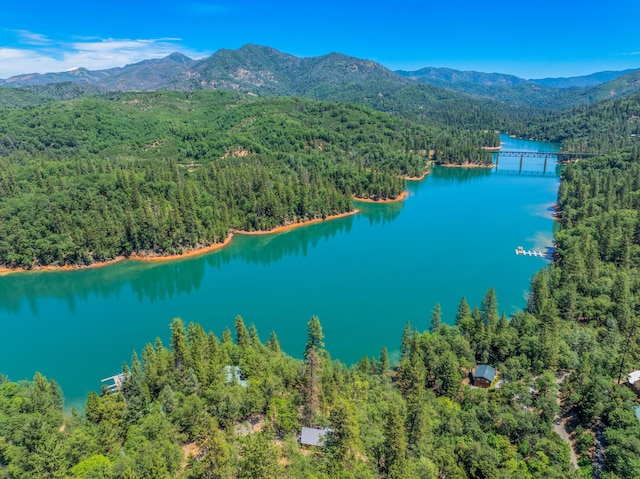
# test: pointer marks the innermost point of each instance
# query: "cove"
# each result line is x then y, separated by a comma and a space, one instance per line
365, 276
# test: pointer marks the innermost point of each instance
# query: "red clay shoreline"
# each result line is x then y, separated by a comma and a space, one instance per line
402, 196
151, 258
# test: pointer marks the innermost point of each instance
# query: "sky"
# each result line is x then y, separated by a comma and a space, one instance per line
530, 39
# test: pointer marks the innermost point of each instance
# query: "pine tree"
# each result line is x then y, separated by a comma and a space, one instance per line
344, 439
383, 363
489, 309
405, 344
226, 336
273, 343
395, 444
254, 339
179, 345
436, 318
315, 337
242, 335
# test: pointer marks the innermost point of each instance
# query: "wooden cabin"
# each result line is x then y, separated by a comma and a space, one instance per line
484, 375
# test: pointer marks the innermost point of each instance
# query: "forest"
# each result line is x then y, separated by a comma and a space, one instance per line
184, 409
92, 179
601, 128
98, 176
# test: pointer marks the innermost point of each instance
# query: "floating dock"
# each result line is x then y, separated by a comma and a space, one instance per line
116, 386
524, 252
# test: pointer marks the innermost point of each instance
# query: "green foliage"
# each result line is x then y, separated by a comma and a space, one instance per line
96, 178
603, 127
417, 420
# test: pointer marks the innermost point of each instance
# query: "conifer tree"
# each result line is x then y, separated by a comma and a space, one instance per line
242, 336
436, 318
273, 343
179, 345
395, 444
405, 344
383, 363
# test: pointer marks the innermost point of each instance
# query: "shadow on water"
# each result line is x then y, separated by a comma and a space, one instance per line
166, 280
459, 175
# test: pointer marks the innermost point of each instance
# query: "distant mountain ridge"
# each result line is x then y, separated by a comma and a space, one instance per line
447, 76
264, 70
550, 93
250, 68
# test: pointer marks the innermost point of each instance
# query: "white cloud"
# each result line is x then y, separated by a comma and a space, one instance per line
43, 55
31, 38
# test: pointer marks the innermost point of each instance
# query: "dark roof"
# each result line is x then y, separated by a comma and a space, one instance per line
485, 371
310, 436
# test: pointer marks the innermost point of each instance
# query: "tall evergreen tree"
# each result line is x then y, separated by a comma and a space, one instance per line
383, 363
179, 345
436, 318
242, 335
315, 337
273, 343
395, 444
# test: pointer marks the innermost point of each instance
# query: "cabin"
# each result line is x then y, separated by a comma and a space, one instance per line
311, 436
484, 375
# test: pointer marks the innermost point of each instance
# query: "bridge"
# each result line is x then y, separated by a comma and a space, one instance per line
558, 156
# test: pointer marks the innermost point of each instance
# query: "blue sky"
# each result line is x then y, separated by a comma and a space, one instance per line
531, 39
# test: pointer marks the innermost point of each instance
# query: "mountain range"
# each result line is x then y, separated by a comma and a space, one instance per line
263, 70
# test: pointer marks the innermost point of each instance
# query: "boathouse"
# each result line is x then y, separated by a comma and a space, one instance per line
311, 436
484, 375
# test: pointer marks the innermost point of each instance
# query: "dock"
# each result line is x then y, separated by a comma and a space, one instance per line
525, 252
116, 386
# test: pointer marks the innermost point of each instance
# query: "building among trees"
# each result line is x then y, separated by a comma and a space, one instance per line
484, 375
311, 436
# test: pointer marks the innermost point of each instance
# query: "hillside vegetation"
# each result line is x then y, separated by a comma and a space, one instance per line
602, 128
159, 173
180, 413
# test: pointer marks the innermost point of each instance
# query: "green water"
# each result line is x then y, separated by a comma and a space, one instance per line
365, 276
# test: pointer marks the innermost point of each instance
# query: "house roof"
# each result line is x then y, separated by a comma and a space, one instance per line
485, 371
311, 436
633, 377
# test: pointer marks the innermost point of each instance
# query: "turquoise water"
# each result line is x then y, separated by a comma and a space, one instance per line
365, 276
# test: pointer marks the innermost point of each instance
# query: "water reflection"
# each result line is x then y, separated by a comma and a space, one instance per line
166, 280
459, 175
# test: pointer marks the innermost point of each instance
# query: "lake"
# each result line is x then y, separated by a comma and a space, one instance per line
365, 276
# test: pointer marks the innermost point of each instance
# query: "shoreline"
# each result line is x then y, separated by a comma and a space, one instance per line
401, 197
155, 258
417, 178
280, 229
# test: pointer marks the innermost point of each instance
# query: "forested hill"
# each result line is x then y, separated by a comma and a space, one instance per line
548, 93
265, 71
158, 173
601, 128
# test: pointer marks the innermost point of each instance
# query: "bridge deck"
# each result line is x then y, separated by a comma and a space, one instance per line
537, 154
